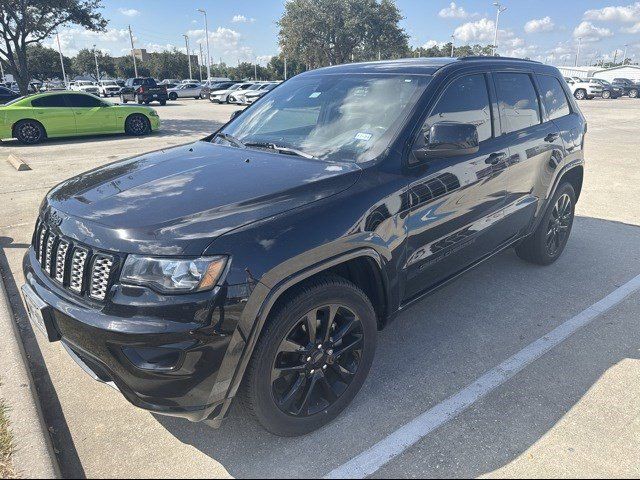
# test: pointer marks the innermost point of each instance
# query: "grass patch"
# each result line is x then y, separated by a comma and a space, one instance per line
6, 445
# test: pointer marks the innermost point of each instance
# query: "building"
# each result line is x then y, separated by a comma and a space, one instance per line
582, 72
632, 72
141, 54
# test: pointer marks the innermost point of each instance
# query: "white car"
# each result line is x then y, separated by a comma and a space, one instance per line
222, 96
239, 96
252, 96
583, 89
85, 86
185, 90
109, 88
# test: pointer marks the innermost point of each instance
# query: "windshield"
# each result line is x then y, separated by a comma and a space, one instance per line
330, 117
15, 100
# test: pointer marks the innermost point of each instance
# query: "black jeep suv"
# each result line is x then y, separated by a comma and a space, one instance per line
261, 261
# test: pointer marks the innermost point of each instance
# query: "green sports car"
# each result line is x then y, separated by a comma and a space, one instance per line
33, 118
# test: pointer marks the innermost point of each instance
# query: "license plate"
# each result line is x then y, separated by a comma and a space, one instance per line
36, 310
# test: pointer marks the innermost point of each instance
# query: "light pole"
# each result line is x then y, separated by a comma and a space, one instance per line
200, 62
206, 32
499, 9
186, 41
64, 74
624, 59
95, 57
453, 38
578, 51
133, 53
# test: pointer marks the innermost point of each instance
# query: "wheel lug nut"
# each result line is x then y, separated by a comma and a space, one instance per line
324, 367
320, 346
312, 372
308, 359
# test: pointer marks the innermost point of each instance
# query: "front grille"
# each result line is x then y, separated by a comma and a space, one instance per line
76, 267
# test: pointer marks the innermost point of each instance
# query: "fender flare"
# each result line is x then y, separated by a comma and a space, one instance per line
261, 309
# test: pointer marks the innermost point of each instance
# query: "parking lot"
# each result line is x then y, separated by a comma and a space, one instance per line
574, 411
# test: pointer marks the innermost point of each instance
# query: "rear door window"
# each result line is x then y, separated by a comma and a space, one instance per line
518, 101
50, 101
84, 101
553, 97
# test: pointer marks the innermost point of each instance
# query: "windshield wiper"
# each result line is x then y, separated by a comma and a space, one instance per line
278, 148
230, 139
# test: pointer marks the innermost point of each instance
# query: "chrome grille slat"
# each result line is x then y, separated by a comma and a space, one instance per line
100, 274
76, 275
61, 260
41, 244
51, 240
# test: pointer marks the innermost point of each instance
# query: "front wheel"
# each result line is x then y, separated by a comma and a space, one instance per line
580, 94
547, 243
633, 93
137, 125
173, 96
606, 95
312, 358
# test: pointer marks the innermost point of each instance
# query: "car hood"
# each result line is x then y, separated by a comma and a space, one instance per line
177, 201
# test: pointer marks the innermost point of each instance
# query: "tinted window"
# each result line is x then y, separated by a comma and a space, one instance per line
50, 101
466, 100
553, 97
518, 101
84, 101
5, 91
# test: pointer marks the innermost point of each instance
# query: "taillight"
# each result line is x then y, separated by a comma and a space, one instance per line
141, 89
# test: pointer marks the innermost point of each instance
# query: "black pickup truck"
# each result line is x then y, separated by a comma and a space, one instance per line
143, 90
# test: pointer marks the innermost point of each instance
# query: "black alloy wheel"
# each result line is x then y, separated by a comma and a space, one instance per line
317, 360
29, 132
559, 224
137, 125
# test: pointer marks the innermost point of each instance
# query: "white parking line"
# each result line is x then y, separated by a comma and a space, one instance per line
369, 461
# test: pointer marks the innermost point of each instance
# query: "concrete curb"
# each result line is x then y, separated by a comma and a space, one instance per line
33, 456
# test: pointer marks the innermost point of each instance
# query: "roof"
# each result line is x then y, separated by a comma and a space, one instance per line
422, 66
618, 68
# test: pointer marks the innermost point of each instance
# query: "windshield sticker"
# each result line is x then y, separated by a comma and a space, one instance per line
363, 136
315, 94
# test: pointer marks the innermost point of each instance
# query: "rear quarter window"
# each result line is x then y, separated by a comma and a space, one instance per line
553, 97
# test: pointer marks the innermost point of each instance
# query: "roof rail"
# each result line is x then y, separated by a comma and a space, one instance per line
486, 57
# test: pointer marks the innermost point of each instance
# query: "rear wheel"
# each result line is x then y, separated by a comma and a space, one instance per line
606, 94
633, 93
29, 132
173, 96
580, 94
547, 243
138, 99
163, 102
312, 358
137, 125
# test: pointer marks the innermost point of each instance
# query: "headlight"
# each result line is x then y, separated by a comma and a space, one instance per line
173, 275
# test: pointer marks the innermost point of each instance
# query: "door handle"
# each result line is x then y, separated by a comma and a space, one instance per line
552, 137
495, 158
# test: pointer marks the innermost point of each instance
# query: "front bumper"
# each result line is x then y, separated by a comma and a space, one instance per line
151, 348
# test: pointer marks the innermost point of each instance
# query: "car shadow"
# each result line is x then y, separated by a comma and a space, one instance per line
443, 344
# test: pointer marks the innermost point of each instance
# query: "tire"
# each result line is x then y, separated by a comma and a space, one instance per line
606, 95
173, 96
633, 93
321, 368
137, 125
580, 94
138, 100
122, 99
29, 132
163, 102
536, 248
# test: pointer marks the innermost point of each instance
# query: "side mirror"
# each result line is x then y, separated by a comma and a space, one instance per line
235, 114
449, 139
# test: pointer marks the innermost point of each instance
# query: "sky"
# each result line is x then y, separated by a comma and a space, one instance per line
246, 30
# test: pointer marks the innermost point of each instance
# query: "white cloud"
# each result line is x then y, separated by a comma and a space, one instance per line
129, 12
453, 11
479, 31
264, 59
242, 19
623, 14
224, 43
590, 33
537, 25
74, 39
432, 43
633, 29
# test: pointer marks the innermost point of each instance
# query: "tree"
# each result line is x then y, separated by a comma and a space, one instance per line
168, 64
27, 22
84, 63
276, 66
44, 63
123, 67
330, 32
